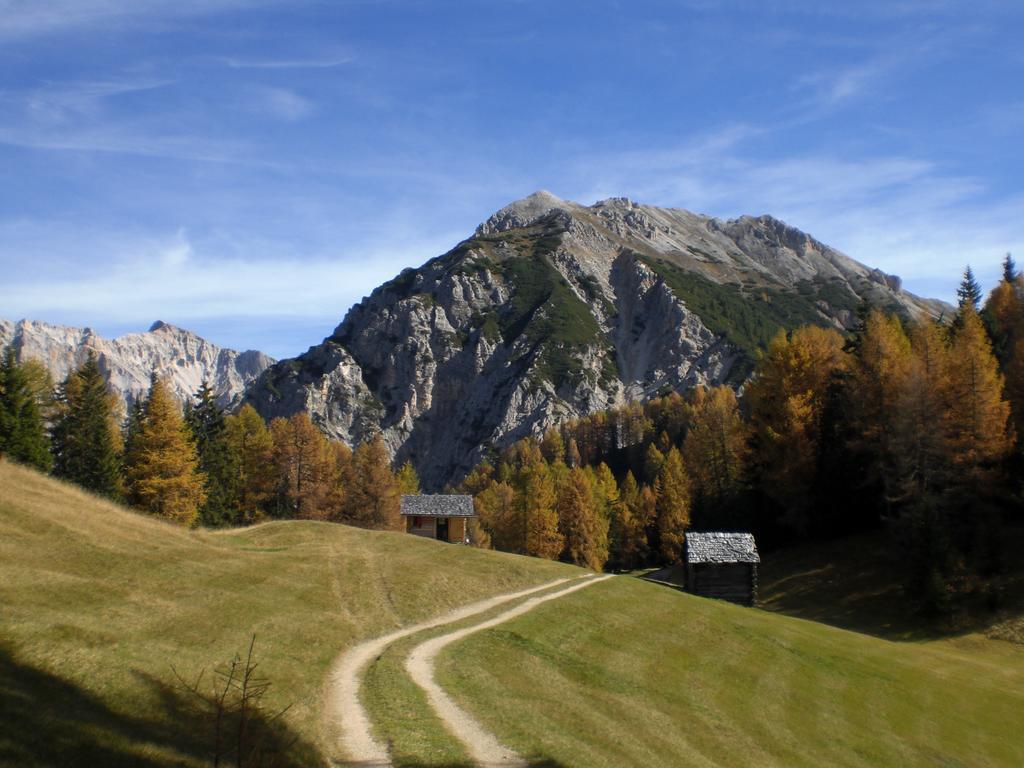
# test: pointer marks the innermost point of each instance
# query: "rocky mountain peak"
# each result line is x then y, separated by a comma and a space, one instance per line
552, 310
525, 212
184, 359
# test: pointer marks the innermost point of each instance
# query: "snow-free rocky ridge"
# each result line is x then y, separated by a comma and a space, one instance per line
552, 310
181, 357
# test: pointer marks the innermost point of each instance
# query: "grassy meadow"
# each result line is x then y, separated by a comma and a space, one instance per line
97, 604
629, 673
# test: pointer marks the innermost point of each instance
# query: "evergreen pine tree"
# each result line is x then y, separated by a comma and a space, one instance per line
22, 434
217, 461
86, 439
162, 468
969, 292
1010, 273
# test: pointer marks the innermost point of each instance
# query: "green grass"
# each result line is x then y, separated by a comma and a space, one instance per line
628, 673
97, 603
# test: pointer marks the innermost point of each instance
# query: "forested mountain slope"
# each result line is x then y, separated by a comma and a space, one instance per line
552, 310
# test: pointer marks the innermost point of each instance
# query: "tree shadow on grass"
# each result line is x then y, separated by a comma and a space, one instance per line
533, 762
49, 721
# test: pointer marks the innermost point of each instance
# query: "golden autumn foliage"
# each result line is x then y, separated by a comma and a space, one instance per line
578, 522
305, 467
978, 416
540, 519
715, 448
162, 468
787, 399
672, 491
253, 447
373, 500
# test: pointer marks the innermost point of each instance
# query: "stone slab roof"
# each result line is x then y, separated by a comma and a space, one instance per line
438, 505
721, 548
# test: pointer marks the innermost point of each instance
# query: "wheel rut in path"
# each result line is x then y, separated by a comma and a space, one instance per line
483, 747
349, 732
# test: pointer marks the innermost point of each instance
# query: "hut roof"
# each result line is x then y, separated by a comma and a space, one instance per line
438, 505
721, 548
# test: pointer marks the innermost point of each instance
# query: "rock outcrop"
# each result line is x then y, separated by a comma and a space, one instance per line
182, 358
552, 310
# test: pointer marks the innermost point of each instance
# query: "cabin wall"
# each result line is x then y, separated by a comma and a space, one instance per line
427, 527
735, 582
457, 530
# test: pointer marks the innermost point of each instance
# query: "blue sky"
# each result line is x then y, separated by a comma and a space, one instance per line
250, 169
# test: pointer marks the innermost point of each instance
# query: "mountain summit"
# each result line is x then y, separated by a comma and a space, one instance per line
184, 359
554, 309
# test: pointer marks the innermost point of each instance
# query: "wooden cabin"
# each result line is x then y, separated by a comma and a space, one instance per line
440, 516
722, 566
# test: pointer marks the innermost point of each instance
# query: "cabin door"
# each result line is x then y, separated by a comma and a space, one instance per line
442, 529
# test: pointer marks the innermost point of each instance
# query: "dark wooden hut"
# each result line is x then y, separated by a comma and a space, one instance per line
441, 516
722, 566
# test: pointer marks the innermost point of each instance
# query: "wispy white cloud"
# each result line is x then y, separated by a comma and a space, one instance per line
180, 280
281, 104
905, 215
326, 63
33, 18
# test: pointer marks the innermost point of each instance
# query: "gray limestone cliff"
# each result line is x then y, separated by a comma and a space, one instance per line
181, 357
552, 310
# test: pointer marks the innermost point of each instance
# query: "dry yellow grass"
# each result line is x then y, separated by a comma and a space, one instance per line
97, 603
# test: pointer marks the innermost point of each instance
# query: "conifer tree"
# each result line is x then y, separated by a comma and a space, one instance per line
920, 442
22, 435
969, 292
606, 498
787, 400
1010, 273
408, 480
552, 446
373, 499
217, 461
653, 461
672, 490
86, 438
647, 521
163, 469
500, 517
577, 522
253, 448
627, 535
305, 468
715, 448
40, 384
572, 457
978, 415
536, 496
880, 367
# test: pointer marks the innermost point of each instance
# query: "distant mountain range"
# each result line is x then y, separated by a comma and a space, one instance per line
549, 311
552, 310
181, 357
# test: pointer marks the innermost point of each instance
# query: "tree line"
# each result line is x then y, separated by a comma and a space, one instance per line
907, 425
195, 465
